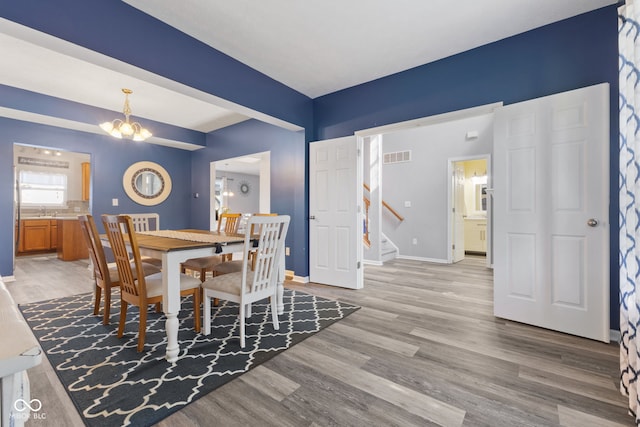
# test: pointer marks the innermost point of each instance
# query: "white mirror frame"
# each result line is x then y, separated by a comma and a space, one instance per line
129, 178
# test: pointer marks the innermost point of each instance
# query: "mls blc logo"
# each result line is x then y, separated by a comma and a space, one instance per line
34, 405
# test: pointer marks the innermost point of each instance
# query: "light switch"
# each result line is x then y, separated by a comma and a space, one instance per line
114, 202
407, 204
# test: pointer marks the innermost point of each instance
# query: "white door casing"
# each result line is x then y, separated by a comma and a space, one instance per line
458, 211
551, 170
335, 212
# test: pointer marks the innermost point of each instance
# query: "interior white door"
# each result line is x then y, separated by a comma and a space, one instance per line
551, 222
335, 213
458, 211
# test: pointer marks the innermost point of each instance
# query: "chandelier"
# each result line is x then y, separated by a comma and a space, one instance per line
126, 129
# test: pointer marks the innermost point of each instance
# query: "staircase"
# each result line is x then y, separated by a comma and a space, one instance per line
388, 250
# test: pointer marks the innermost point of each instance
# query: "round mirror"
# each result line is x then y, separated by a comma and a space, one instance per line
147, 183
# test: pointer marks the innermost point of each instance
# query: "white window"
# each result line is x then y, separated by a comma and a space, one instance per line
43, 189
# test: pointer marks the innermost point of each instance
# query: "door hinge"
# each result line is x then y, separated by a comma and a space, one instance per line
453, 246
358, 265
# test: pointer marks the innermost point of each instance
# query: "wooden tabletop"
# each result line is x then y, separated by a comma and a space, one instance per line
166, 244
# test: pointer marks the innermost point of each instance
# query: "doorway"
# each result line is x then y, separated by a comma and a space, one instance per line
49, 183
240, 184
470, 208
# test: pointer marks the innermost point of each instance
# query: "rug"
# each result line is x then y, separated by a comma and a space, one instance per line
111, 384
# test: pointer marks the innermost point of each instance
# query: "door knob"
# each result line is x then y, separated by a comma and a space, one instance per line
592, 222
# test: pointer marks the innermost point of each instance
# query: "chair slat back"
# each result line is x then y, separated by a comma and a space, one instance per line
117, 227
96, 251
229, 222
145, 221
272, 231
252, 228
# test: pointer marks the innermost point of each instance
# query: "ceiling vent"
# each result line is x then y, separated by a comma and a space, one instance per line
397, 157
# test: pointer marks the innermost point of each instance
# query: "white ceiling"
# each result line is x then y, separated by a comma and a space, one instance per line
314, 46
249, 165
55, 68
321, 46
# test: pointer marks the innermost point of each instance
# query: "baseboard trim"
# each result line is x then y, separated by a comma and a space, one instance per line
415, 258
372, 262
7, 279
290, 276
614, 335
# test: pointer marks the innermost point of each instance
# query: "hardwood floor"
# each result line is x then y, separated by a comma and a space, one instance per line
424, 349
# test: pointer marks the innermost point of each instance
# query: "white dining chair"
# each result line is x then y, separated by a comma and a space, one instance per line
146, 222
227, 223
248, 286
232, 266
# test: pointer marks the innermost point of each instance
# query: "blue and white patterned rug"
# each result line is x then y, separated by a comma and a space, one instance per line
112, 384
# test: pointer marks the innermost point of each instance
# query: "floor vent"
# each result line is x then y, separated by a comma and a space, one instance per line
397, 157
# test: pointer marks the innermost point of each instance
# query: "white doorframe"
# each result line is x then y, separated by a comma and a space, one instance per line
372, 145
450, 202
265, 184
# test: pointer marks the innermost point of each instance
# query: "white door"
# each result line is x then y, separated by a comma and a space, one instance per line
551, 223
335, 213
458, 211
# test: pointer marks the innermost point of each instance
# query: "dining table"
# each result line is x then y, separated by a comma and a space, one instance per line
174, 247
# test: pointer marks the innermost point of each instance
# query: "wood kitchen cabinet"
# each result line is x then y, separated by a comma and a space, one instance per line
86, 180
35, 235
71, 243
54, 234
47, 235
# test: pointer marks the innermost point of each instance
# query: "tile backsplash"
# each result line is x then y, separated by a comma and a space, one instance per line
74, 207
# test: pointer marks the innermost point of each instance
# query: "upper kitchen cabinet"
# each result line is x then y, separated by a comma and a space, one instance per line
86, 181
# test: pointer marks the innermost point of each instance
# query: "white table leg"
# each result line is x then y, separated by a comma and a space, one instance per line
171, 302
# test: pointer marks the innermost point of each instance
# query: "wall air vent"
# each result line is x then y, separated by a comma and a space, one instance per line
397, 157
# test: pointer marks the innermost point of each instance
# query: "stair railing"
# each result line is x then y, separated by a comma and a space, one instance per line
367, 203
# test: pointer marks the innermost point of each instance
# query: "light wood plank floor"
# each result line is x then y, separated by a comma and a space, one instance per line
424, 350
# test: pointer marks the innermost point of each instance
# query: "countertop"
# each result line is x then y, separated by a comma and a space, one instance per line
62, 217
476, 218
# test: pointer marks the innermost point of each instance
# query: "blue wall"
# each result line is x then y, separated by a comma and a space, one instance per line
574, 53
571, 54
578, 52
154, 46
109, 160
288, 178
